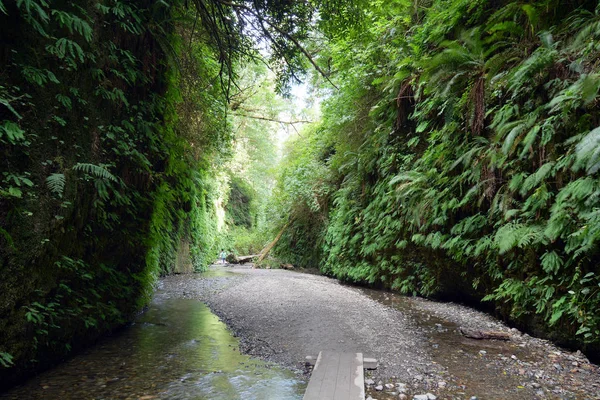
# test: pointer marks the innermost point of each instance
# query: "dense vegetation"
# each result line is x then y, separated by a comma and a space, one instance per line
460, 157
457, 155
115, 130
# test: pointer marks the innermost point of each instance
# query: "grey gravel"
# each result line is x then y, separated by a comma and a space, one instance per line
284, 316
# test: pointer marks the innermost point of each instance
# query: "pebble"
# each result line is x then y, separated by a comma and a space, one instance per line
442, 384
418, 377
427, 396
379, 388
482, 352
389, 386
473, 398
369, 382
403, 396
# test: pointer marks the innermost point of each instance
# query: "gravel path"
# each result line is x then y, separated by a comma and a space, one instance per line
283, 316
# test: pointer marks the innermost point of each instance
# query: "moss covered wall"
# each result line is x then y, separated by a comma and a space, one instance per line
98, 187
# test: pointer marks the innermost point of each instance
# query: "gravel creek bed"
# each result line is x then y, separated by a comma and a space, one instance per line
283, 316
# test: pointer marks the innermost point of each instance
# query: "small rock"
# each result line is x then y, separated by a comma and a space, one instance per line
369, 382
403, 396
379, 388
389, 386
482, 352
418, 377
557, 366
513, 357
473, 398
442, 384
575, 364
427, 396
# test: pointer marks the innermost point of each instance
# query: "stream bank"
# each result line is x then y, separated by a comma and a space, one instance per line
179, 349
283, 316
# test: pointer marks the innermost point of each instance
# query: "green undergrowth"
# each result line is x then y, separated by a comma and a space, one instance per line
461, 157
104, 178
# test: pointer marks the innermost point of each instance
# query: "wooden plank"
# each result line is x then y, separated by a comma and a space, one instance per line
337, 376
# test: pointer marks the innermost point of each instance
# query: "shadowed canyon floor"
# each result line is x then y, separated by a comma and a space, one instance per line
178, 349
283, 316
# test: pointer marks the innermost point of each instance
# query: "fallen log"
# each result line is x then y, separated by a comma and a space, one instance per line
484, 335
246, 259
266, 250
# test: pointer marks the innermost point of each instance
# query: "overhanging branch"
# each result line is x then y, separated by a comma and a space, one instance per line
260, 117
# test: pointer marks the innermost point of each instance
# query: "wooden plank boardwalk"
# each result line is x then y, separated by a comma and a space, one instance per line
337, 376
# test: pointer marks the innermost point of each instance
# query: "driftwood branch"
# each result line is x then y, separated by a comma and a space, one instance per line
484, 335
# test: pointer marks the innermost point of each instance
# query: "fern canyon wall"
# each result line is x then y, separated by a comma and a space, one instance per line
454, 153
105, 173
459, 159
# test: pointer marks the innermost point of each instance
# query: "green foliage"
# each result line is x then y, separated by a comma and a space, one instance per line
241, 203
461, 155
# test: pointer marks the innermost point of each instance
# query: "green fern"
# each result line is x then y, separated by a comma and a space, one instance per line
56, 184
588, 151
96, 171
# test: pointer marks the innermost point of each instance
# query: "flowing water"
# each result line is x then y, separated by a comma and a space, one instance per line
177, 349
472, 373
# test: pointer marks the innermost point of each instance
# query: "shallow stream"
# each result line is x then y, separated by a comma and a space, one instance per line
177, 349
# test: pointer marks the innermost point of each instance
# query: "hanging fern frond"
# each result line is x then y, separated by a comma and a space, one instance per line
56, 184
97, 171
588, 152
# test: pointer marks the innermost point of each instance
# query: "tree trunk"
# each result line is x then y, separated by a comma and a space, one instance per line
266, 250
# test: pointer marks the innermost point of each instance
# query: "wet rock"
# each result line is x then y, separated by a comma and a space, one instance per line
557, 366
427, 396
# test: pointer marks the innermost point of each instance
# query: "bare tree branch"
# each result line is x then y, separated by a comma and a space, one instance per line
260, 117
283, 33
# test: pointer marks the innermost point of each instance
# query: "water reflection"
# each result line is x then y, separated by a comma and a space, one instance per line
178, 349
